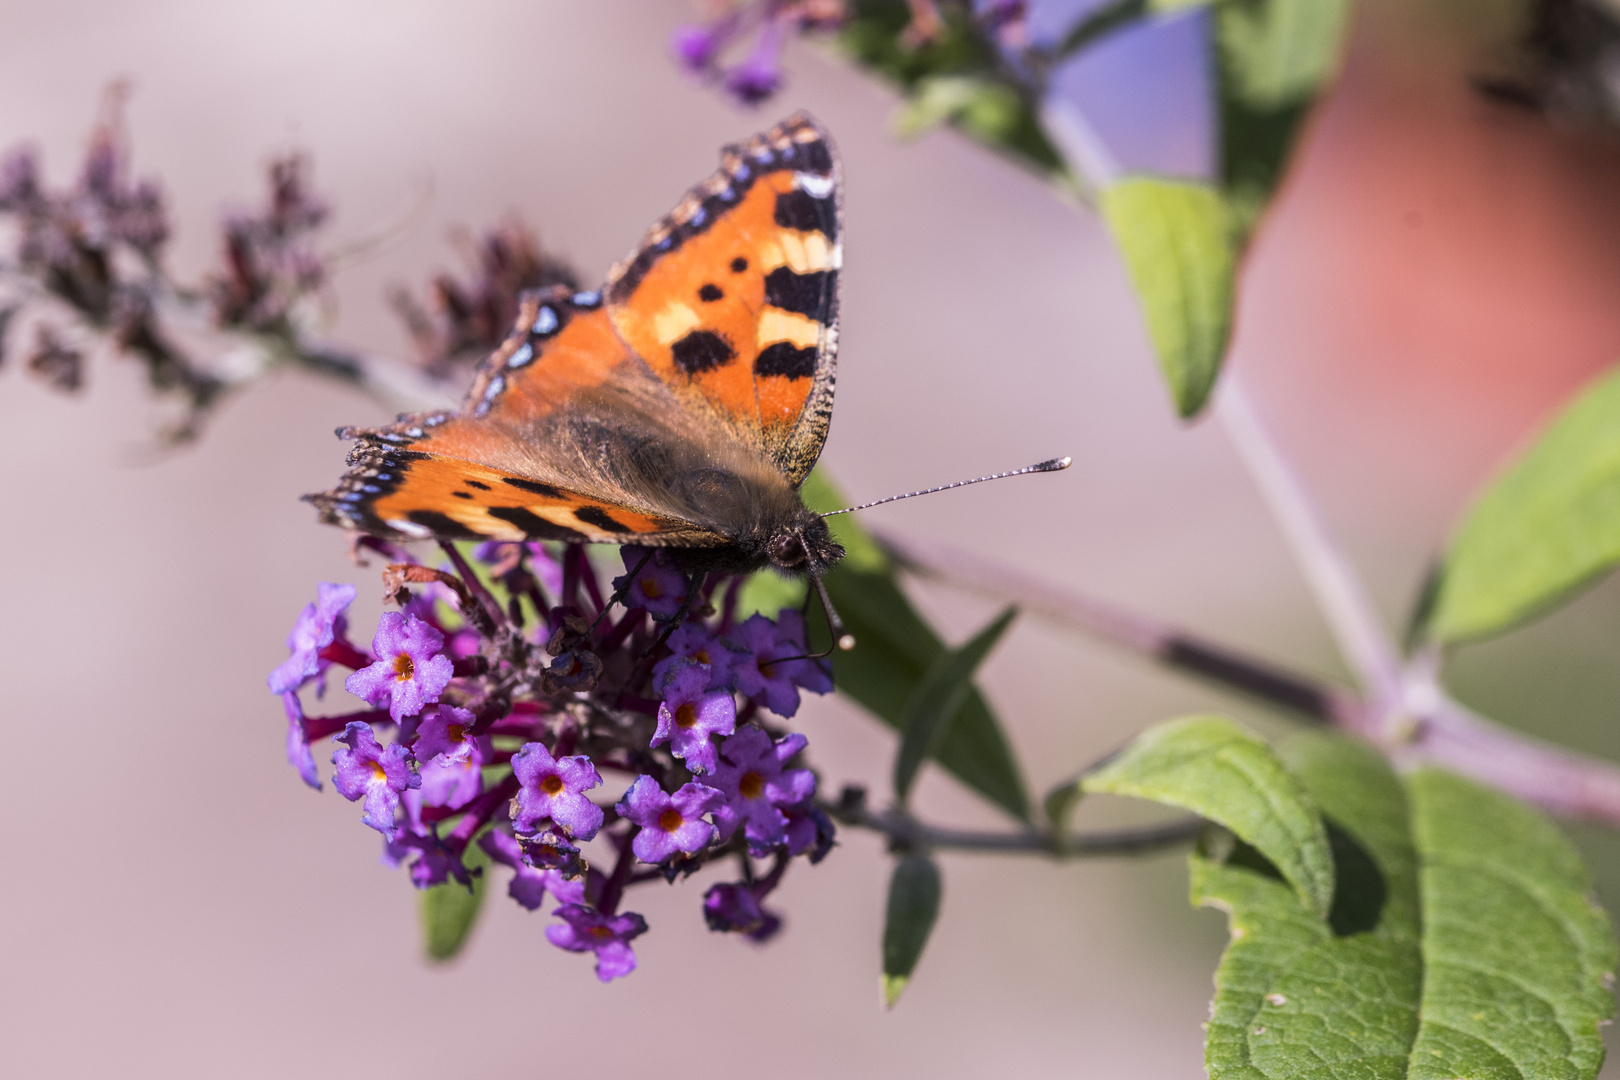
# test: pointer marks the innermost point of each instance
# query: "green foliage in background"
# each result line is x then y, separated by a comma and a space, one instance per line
448, 912
895, 651
1547, 525
1182, 238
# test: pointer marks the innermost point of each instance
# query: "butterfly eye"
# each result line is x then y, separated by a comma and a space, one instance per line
787, 551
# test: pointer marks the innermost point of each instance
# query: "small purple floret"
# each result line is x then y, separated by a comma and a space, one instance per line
688, 714
298, 753
318, 626
758, 789
608, 936
376, 773
551, 852
760, 74
767, 675
669, 823
555, 789
658, 587
411, 670
733, 908
529, 885
451, 760
692, 640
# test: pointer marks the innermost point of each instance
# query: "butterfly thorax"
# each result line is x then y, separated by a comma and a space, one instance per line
766, 523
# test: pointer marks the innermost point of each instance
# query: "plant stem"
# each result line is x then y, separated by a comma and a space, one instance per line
1300, 694
906, 830
1366, 645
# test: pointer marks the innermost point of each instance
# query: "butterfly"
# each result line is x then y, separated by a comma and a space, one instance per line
680, 406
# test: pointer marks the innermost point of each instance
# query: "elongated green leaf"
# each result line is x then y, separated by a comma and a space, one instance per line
1547, 525
1177, 239
448, 912
937, 700
914, 892
1222, 772
1275, 56
894, 647
1461, 943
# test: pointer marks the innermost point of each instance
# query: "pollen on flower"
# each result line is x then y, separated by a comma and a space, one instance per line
651, 589
751, 786
670, 820
686, 715
552, 785
404, 669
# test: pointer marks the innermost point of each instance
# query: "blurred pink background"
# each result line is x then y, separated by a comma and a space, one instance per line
1438, 276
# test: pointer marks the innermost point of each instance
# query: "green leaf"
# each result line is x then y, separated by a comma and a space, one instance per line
766, 593
1274, 56
447, 912
914, 891
984, 108
1546, 526
1005, 119
1177, 240
894, 647
937, 700
1222, 772
1462, 942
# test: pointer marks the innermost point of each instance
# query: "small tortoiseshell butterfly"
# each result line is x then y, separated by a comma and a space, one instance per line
681, 406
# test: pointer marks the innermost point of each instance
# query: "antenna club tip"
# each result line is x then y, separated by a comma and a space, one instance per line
847, 642
1055, 464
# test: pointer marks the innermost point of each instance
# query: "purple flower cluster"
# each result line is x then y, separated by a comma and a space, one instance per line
270, 259
758, 74
512, 682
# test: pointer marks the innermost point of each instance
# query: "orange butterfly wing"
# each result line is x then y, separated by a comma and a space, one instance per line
732, 300
670, 414
489, 472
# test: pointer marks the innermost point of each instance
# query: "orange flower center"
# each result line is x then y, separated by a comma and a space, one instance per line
650, 588
378, 772
702, 656
404, 670
552, 785
670, 820
457, 732
600, 933
685, 715
751, 786
765, 669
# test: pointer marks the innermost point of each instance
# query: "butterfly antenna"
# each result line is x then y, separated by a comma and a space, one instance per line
841, 637
1054, 465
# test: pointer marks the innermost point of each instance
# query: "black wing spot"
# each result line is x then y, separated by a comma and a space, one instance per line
462, 495
595, 515
800, 210
783, 358
702, 350
710, 293
444, 526
739, 264
479, 484
805, 294
817, 158
533, 487
533, 525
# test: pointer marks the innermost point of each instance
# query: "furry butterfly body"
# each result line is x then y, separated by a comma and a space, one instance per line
680, 406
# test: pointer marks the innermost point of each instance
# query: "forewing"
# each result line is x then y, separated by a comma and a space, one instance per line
732, 300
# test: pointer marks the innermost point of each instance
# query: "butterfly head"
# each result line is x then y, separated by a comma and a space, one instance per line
805, 546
